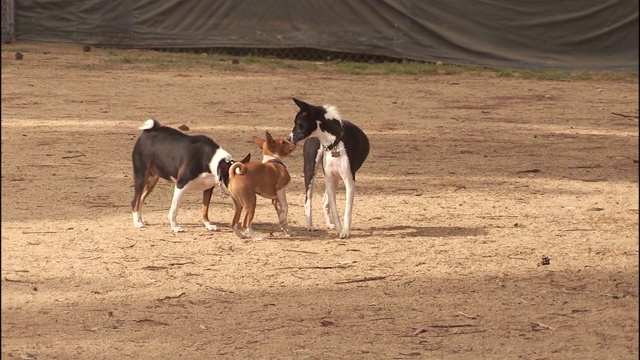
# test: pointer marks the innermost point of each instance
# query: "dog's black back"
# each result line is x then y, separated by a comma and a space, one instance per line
173, 155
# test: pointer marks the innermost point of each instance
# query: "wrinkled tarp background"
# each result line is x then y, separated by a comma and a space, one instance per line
553, 34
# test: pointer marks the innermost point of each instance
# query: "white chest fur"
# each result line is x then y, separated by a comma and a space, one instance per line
335, 161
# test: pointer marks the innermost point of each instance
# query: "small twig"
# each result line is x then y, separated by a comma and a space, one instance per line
534, 325
371, 278
586, 167
174, 241
171, 297
73, 156
497, 216
382, 318
528, 171
301, 251
181, 263
342, 266
625, 115
16, 281
40, 232
451, 326
153, 267
467, 316
615, 296
96, 205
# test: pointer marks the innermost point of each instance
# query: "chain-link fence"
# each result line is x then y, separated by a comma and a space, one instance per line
305, 54
7, 21
354, 30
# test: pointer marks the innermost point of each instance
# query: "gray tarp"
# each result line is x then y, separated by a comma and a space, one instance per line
554, 34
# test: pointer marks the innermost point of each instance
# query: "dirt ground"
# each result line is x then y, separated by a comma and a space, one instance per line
495, 218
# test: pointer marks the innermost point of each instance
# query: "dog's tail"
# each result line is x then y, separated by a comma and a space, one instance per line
237, 168
149, 124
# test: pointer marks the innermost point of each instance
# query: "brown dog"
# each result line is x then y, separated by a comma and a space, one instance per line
267, 179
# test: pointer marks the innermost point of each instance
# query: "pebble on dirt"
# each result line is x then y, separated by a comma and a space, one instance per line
19, 56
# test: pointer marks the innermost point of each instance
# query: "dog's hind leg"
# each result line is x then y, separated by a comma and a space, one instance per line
350, 185
152, 180
206, 200
329, 202
235, 226
307, 206
178, 195
141, 181
312, 157
249, 211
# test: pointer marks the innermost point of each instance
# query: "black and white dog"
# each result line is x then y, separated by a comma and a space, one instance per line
341, 147
193, 163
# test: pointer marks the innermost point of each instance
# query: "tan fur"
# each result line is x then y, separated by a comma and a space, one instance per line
267, 179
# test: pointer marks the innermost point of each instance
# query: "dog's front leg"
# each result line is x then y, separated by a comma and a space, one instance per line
282, 208
326, 210
178, 194
307, 206
206, 200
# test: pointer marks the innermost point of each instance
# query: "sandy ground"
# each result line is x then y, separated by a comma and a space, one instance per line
471, 182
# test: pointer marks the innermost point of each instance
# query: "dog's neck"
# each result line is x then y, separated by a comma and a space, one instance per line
330, 136
271, 158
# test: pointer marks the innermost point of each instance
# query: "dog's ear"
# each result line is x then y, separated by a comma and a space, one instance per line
258, 141
301, 104
246, 159
269, 137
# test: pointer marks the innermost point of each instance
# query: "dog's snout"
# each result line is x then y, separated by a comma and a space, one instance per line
294, 140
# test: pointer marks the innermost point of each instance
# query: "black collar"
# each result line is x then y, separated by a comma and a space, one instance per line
277, 161
337, 140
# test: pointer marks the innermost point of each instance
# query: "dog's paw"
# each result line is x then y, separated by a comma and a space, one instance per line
177, 229
139, 224
344, 234
211, 227
239, 233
